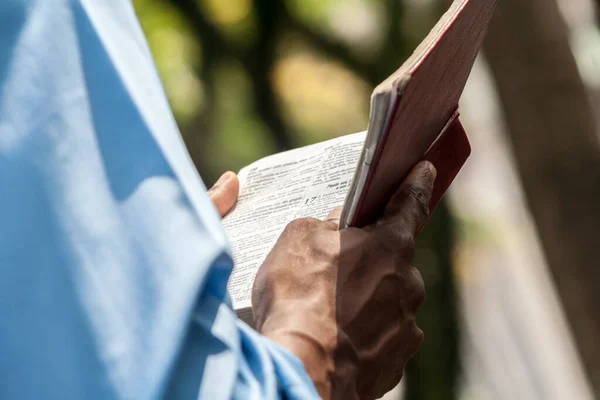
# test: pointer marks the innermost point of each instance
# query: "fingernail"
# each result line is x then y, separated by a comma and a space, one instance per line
432, 169
224, 178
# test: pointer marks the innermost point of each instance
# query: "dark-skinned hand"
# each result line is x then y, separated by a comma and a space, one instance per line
344, 301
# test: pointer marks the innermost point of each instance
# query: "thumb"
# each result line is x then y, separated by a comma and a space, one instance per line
225, 192
410, 204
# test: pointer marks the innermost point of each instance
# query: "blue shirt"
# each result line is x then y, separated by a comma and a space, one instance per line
113, 262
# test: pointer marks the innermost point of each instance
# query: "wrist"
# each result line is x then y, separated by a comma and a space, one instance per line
332, 369
317, 361
310, 337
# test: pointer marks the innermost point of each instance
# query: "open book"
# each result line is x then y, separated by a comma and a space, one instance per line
414, 116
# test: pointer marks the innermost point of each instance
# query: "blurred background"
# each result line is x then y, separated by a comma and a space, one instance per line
512, 258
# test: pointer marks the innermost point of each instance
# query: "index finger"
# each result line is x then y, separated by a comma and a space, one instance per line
334, 216
410, 204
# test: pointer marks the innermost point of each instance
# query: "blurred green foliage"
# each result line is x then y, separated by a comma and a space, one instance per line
320, 98
321, 94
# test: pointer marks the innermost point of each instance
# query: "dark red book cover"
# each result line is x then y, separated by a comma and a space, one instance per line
427, 95
448, 154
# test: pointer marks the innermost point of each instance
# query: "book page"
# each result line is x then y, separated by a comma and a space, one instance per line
306, 182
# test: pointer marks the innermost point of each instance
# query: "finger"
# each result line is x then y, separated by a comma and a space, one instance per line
410, 204
225, 192
334, 216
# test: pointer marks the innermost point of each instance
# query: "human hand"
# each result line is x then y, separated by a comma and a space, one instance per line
224, 193
345, 301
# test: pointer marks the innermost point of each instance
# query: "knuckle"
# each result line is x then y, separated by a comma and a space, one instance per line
398, 239
399, 232
419, 294
419, 283
414, 338
405, 238
409, 250
312, 235
302, 225
384, 238
330, 254
330, 225
419, 197
418, 338
325, 249
405, 243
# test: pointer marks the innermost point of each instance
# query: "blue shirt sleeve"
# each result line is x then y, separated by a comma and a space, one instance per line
113, 262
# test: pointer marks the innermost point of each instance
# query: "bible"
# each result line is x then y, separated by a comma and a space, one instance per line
414, 116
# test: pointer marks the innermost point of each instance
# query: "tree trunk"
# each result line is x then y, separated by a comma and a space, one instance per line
552, 129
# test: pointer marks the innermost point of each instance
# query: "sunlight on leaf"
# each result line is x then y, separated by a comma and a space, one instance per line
227, 12
233, 18
321, 97
313, 12
176, 53
360, 24
240, 136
